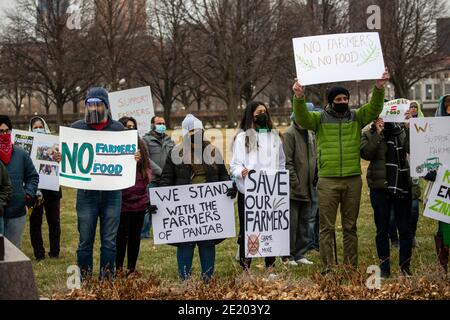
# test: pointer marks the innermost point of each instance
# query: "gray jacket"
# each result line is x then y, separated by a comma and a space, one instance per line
158, 149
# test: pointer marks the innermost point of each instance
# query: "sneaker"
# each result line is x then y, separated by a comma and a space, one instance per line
293, 263
304, 261
272, 276
406, 272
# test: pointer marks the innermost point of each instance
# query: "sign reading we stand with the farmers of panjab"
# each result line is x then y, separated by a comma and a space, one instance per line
193, 212
338, 57
136, 103
267, 213
97, 160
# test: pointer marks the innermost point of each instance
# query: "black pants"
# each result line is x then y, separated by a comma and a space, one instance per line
129, 238
243, 261
52, 213
382, 204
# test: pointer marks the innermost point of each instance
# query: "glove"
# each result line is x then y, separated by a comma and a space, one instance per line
152, 209
431, 175
29, 201
232, 192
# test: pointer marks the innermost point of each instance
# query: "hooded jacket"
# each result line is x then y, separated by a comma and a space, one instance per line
441, 112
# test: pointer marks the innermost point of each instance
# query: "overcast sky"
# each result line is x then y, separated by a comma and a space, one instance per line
5, 4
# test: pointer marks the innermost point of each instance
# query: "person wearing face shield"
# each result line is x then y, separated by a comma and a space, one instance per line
94, 205
195, 160
338, 133
48, 200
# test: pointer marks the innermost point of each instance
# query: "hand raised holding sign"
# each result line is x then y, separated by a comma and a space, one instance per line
298, 89
384, 79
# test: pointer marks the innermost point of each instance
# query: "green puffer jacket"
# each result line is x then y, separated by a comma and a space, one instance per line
373, 149
338, 138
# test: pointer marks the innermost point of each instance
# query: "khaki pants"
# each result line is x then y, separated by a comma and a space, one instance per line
332, 192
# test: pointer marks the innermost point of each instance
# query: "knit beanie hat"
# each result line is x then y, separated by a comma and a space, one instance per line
190, 123
334, 92
6, 120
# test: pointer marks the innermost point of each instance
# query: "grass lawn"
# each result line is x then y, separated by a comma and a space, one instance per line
160, 261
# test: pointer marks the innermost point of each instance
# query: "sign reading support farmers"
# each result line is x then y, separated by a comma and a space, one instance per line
42, 149
394, 110
97, 160
429, 144
192, 213
136, 103
438, 204
338, 57
267, 214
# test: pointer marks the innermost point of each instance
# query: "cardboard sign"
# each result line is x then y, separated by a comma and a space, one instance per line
338, 57
394, 110
192, 213
438, 203
136, 103
42, 149
98, 160
267, 213
429, 144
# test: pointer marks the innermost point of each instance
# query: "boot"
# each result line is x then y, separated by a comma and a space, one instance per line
442, 252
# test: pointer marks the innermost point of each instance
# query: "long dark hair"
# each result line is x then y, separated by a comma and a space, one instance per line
248, 118
143, 165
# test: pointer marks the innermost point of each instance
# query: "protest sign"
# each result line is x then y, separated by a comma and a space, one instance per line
338, 57
136, 103
42, 149
97, 160
394, 110
192, 213
429, 144
267, 213
438, 203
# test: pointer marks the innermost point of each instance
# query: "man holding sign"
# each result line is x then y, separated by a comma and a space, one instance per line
338, 131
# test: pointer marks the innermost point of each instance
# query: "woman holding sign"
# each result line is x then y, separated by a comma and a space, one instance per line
198, 161
258, 147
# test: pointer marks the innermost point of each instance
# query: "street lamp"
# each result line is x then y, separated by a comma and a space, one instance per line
122, 83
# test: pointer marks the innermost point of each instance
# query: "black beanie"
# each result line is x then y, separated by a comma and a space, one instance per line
335, 91
5, 120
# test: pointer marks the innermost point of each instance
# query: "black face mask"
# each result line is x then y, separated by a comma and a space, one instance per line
340, 107
261, 120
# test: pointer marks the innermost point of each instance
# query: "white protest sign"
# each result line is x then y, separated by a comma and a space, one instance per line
42, 149
97, 160
267, 213
338, 57
136, 103
192, 213
429, 144
438, 204
394, 110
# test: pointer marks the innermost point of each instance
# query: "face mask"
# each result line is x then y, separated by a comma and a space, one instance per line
160, 128
261, 120
39, 130
340, 107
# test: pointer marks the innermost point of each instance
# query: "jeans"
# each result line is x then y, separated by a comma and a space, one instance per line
393, 235
313, 229
299, 211
382, 203
185, 255
13, 229
52, 213
92, 205
129, 239
145, 233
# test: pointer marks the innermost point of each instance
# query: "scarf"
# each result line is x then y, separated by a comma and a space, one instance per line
6, 148
397, 170
99, 126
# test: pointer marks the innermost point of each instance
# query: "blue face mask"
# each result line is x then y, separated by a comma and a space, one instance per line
39, 130
160, 128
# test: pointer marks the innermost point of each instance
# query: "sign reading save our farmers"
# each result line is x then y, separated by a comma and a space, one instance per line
136, 103
438, 204
192, 213
97, 160
394, 110
338, 57
429, 144
267, 214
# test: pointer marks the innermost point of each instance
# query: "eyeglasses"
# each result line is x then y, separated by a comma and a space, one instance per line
5, 131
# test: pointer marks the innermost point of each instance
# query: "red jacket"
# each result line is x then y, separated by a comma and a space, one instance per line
135, 198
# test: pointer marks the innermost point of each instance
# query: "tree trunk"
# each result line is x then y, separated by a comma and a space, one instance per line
75, 105
167, 104
232, 114
59, 113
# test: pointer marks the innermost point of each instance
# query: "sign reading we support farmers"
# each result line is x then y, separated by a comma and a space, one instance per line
136, 103
438, 204
394, 110
192, 213
42, 149
267, 213
338, 57
97, 160
429, 144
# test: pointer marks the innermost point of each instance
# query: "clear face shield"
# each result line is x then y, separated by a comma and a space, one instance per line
96, 111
